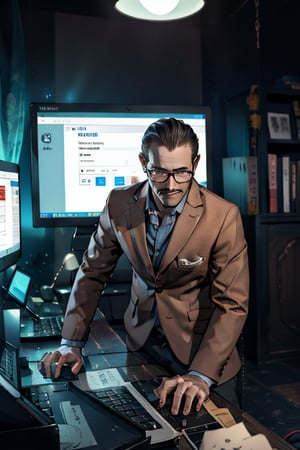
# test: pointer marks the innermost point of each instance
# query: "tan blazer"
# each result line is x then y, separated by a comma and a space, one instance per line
201, 287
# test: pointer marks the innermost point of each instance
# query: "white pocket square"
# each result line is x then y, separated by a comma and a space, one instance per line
186, 262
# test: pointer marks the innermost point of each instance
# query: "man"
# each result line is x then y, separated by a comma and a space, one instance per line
189, 296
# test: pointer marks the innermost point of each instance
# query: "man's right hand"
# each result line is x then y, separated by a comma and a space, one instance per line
63, 355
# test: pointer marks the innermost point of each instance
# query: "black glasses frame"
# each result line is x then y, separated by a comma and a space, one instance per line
170, 174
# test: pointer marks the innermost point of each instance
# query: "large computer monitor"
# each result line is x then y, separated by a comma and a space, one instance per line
80, 152
10, 220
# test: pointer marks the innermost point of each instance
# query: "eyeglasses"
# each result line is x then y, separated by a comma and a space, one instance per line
160, 176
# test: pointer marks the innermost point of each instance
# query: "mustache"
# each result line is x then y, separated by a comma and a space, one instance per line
167, 191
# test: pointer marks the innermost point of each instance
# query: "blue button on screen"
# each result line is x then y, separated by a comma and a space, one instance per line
119, 181
100, 181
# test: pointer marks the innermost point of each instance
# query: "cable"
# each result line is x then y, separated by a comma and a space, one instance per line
291, 434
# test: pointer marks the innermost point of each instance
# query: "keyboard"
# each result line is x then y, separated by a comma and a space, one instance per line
127, 402
40, 396
8, 366
46, 327
118, 399
121, 400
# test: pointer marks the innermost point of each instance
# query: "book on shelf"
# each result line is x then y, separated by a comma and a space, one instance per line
272, 182
286, 183
279, 185
283, 184
240, 182
298, 186
293, 186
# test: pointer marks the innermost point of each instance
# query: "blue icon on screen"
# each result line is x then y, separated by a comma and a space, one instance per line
100, 181
119, 181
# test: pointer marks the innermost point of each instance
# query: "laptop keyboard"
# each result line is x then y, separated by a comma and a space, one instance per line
39, 396
48, 326
8, 365
121, 400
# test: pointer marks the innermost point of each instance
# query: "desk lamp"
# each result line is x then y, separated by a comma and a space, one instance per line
69, 263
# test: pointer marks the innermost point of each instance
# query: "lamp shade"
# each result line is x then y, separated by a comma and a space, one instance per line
159, 10
70, 262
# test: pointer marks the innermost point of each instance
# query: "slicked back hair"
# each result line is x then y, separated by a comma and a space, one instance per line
171, 133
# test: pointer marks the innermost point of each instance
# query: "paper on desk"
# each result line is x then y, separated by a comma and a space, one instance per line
37, 300
99, 379
74, 416
235, 437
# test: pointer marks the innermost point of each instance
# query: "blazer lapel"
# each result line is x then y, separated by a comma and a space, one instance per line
185, 225
135, 236
137, 229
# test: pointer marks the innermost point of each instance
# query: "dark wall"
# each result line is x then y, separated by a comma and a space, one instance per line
203, 59
127, 61
83, 58
230, 58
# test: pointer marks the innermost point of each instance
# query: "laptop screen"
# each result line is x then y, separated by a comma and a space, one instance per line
19, 286
18, 291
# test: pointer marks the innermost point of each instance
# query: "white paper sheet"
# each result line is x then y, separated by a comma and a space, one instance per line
236, 437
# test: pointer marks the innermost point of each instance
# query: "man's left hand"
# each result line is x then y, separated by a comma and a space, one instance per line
189, 387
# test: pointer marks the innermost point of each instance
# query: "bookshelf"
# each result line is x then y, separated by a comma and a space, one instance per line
273, 230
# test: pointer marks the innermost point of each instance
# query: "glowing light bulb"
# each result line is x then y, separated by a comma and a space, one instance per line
159, 7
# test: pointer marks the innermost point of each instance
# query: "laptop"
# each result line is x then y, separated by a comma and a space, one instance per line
113, 389
57, 405
16, 412
39, 320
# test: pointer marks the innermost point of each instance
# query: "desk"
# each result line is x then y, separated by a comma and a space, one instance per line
105, 349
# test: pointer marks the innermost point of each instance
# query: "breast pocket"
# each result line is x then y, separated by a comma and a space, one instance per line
190, 263
196, 265
188, 270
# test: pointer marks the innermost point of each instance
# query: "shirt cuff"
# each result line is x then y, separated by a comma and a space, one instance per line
78, 344
207, 380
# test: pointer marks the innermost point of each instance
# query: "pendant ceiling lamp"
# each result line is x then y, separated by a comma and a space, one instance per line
159, 10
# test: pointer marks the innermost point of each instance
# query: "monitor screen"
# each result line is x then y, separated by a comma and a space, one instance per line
10, 223
80, 152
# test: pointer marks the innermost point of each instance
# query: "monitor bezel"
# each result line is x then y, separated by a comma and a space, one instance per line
12, 257
38, 107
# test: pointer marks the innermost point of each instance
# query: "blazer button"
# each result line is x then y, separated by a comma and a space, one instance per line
158, 290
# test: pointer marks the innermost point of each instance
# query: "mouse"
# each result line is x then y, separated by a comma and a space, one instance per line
24, 363
66, 373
